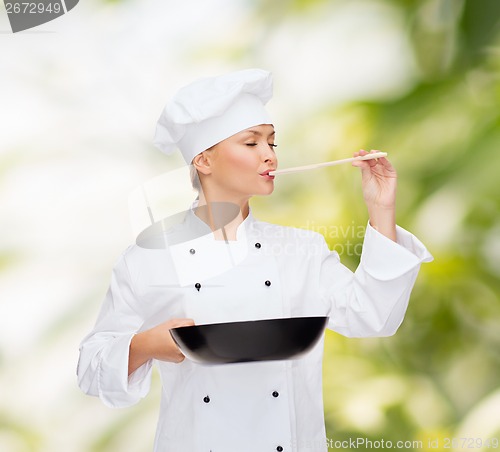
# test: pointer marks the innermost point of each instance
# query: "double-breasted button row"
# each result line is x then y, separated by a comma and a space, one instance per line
275, 394
193, 251
197, 286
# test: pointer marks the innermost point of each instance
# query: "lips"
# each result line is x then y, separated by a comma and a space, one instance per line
266, 174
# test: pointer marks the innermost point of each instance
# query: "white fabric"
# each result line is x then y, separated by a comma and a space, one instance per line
212, 109
306, 279
193, 268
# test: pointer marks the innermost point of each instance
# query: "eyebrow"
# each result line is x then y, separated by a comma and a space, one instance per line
256, 132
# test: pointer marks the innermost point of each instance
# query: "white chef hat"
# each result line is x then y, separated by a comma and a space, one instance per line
212, 109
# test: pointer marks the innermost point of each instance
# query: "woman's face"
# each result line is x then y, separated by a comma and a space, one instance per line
239, 165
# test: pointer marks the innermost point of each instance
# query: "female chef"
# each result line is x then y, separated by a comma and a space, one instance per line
221, 127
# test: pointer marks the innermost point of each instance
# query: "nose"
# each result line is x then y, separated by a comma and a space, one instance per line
268, 155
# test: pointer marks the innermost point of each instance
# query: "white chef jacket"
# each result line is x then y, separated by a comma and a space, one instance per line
277, 272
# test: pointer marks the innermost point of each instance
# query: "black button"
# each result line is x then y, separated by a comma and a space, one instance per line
198, 286
192, 251
206, 399
257, 245
279, 449
276, 393
267, 283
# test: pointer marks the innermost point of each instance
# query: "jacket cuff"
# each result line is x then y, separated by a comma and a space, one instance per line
384, 259
116, 388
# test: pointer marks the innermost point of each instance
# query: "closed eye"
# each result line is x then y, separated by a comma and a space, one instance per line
271, 145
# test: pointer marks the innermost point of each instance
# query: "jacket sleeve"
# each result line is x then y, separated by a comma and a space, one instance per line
102, 369
372, 301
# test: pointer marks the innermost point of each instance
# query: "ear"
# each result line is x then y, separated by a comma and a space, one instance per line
202, 163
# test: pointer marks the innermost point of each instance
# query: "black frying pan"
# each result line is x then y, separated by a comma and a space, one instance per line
254, 340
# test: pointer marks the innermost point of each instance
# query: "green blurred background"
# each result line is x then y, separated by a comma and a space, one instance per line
79, 99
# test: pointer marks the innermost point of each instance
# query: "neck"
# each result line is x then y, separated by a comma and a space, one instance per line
223, 214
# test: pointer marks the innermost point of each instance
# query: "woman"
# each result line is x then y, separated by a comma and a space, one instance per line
222, 129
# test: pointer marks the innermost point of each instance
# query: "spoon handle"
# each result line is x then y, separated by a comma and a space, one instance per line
299, 169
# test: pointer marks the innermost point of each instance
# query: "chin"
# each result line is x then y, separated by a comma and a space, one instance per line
265, 192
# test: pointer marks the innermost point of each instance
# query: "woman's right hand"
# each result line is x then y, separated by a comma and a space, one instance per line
156, 343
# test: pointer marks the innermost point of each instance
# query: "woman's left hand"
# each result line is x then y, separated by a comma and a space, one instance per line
379, 180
